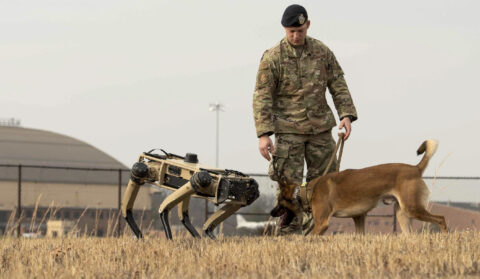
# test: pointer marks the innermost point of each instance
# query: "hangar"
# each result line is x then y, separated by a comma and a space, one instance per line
61, 178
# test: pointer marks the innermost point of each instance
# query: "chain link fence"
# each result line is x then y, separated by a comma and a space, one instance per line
76, 192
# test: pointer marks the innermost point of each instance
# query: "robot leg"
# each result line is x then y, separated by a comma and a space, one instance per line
219, 216
175, 198
184, 217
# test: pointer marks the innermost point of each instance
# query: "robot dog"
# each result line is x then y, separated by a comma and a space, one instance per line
187, 178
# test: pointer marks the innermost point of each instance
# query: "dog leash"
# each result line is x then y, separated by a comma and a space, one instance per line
305, 191
340, 143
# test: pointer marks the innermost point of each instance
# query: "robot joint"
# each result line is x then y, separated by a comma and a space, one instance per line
200, 180
139, 173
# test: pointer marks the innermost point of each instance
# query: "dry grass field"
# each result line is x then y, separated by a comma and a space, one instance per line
450, 255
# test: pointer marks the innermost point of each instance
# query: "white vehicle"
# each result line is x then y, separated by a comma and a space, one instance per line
252, 226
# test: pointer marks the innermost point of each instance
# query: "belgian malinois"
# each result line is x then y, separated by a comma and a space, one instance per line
353, 193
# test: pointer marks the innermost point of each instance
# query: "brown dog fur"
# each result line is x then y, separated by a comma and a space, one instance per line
353, 193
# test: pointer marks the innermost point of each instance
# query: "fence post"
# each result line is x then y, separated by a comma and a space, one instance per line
119, 227
206, 210
19, 202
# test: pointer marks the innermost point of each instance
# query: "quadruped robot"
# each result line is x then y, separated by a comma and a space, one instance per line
187, 178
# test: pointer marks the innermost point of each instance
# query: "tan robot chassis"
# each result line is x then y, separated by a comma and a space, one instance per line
187, 178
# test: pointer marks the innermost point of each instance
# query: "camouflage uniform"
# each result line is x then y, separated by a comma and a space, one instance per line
289, 101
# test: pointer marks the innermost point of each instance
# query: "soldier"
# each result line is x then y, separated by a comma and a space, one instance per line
289, 101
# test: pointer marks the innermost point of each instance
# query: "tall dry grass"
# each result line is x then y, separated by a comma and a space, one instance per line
341, 256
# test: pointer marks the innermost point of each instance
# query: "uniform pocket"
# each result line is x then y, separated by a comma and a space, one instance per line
322, 118
320, 68
275, 170
289, 82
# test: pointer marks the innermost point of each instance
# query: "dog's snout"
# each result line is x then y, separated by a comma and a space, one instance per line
277, 211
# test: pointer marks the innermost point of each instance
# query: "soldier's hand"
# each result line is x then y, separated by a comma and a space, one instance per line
348, 127
265, 145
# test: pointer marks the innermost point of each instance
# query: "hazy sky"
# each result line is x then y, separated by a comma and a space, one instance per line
128, 76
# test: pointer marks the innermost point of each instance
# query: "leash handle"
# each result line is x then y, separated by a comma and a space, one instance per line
340, 153
334, 154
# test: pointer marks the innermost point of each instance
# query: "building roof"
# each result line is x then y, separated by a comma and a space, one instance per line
44, 148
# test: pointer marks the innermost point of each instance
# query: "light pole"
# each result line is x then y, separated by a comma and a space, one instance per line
216, 107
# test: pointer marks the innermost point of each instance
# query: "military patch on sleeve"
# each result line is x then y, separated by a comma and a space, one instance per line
263, 65
263, 78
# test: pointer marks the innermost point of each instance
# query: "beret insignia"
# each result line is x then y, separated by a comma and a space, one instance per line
301, 19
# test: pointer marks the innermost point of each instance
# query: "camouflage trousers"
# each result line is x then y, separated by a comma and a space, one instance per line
290, 154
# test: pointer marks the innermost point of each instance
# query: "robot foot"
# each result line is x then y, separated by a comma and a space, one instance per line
209, 233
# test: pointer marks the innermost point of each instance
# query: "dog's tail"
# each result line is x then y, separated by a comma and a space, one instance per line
428, 147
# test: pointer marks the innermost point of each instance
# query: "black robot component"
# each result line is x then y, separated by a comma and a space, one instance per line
191, 158
200, 180
133, 225
139, 172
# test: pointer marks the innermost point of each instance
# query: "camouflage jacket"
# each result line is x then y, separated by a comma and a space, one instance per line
290, 91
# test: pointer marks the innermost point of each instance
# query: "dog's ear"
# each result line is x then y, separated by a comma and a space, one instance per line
278, 211
287, 189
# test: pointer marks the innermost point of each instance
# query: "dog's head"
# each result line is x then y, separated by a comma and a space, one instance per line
287, 205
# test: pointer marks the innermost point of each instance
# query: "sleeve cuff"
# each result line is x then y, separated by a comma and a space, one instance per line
351, 117
267, 133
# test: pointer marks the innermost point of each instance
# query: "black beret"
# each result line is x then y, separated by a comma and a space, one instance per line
294, 16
